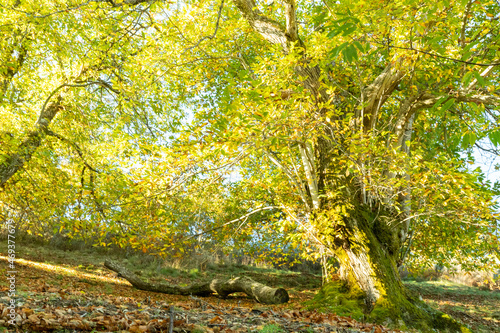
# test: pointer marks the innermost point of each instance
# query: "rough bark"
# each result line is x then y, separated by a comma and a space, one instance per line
367, 250
377, 93
259, 292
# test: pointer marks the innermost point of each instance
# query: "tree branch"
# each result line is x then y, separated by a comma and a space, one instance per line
290, 176
310, 169
15, 161
75, 146
379, 91
438, 56
291, 20
269, 29
241, 218
215, 31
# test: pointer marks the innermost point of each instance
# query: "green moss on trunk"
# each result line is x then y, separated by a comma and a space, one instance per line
370, 287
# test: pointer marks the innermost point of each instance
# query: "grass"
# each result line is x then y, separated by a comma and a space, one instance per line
271, 328
479, 309
87, 262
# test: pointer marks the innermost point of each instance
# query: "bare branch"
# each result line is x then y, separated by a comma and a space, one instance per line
310, 170
241, 218
439, 56
215, 31
483, 74
464, 23
290, 176
291, 20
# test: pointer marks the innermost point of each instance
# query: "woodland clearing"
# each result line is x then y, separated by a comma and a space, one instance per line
64, 291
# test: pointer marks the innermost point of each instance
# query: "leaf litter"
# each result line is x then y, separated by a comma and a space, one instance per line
73, 299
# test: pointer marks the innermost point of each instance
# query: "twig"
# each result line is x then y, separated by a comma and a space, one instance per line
234, 221
215, 31
75, 146
49, 14
438, 56
203, 303
172, 316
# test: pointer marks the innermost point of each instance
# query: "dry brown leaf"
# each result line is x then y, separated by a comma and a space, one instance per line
34, 319
179, 322
27, 311
217, 319
134, 329
60, 312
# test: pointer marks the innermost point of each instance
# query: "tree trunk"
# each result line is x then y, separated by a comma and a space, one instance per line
367, 245
259, 292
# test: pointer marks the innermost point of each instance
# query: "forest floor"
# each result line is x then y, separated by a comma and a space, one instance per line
71, 291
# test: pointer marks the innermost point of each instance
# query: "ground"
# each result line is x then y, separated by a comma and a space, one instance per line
479, 309
66, 291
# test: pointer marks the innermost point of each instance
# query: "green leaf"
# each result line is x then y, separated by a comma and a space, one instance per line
349, 30
494, 137
359, 46
335, 51
466, 79
447, 105
479, 78
469, 139
350, 53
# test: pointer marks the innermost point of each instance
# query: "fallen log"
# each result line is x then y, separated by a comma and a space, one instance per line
259, 292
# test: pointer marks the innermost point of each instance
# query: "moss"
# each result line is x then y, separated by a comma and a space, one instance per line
443, 321
338, 298
395, 307
382, 311
386, 235
335, 297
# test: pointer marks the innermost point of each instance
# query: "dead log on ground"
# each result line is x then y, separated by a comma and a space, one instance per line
259, 292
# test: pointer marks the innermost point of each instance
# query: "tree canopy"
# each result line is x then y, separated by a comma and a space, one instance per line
299, 126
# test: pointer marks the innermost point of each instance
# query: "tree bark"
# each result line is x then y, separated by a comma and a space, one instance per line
367, 245
259, 292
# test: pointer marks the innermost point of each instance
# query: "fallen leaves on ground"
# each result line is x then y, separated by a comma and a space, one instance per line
48, 300
42, 311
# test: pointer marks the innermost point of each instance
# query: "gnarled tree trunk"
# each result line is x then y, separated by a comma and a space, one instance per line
367, 248
367, 244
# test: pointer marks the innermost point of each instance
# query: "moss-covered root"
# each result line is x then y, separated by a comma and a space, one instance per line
407, 312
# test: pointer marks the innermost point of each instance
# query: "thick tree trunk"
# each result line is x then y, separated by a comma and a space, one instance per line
367, 245
259, 292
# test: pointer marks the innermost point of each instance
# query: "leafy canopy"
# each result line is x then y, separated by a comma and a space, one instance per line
177, 118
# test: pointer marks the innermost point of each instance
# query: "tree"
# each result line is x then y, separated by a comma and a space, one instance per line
354, 122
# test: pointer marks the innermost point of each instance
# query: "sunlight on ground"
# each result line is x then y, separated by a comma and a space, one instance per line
65, 271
